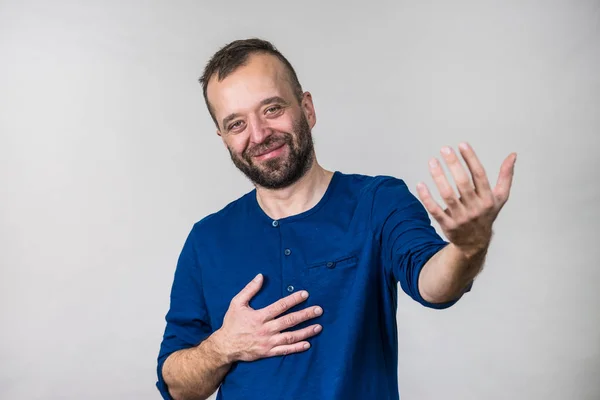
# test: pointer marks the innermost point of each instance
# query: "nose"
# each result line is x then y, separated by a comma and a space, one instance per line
259, 130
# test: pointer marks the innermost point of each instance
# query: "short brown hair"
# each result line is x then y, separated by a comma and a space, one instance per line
234, 55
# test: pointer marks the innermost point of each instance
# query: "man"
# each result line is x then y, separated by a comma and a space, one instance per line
290, 292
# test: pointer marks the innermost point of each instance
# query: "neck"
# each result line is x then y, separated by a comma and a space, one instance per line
297, 198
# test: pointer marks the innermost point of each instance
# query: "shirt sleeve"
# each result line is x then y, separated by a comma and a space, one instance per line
408, 240
187, 318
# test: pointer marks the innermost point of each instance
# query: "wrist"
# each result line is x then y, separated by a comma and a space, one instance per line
476, 249
220, 348
472, 253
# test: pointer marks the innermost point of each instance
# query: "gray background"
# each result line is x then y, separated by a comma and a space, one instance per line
108, 156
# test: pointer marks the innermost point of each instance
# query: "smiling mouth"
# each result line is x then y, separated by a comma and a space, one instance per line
268, 152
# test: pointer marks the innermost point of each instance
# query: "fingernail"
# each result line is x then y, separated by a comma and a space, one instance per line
433, 163
464, 146
318, 310
258, 278
304, 294
446, 150
306, 345
318, 328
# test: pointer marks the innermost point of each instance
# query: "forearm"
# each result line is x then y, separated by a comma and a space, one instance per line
196, 373
448, 272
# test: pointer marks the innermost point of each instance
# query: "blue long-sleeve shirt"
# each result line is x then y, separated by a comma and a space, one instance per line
366, 235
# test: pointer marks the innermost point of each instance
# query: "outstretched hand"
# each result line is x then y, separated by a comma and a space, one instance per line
467, 220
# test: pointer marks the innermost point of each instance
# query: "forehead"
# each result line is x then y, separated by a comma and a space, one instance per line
261, 77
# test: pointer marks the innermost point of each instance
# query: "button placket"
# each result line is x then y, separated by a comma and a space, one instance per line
288, 274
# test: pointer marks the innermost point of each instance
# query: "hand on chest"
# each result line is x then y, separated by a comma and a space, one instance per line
330, 267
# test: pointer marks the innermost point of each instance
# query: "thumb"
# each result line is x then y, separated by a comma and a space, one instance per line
505, 177
249, 291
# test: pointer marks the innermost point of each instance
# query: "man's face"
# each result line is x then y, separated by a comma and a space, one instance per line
267, 133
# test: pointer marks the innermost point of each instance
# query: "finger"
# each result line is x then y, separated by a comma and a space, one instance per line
288, 338
461, 177
280, 306
288, 349
432, 206
505, 178
446, 191
293, 319
249, 291
480, 179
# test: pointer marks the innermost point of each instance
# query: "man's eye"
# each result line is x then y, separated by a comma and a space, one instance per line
273, 109
235, 125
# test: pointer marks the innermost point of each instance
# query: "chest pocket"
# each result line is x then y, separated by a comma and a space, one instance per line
331, 282
348, 261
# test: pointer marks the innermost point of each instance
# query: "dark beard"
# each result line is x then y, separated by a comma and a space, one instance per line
279, 173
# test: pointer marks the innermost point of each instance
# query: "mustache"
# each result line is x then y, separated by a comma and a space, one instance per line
271, 143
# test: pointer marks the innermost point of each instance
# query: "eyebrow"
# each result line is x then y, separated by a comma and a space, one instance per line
269, 100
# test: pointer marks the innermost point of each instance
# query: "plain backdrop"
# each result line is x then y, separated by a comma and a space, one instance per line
108, 156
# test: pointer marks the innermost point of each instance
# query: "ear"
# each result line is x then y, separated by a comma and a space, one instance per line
222, 138
308, 109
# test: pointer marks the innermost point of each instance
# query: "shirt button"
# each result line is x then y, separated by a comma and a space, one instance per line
290, 288
275, 224
287, 252
330, 264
